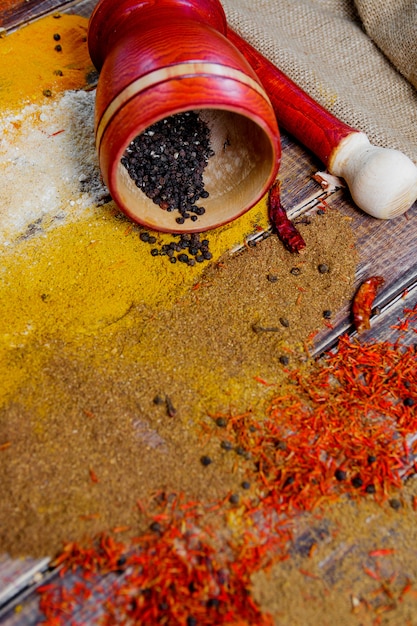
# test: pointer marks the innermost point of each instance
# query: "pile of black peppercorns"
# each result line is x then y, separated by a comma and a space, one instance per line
167, 162
188, 248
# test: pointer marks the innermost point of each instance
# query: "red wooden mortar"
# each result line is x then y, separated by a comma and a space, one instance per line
157, 59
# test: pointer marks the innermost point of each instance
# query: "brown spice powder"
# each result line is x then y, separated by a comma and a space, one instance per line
87, 439
350, 565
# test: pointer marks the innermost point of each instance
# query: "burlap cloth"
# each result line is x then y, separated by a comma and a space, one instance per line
357, 58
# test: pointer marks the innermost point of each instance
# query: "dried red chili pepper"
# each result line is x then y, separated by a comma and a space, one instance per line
93, 475
286, 231
363, 301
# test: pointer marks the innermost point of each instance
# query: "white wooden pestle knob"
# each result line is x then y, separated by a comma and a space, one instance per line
382, 181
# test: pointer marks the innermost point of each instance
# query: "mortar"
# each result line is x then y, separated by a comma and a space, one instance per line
157, 59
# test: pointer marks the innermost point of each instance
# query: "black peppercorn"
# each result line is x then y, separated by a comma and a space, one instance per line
340, 475
167, 162
395, 504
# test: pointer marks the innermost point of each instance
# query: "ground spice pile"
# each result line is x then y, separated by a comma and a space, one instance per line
346, 424
354, 565
101, 360
43, 59
101, 328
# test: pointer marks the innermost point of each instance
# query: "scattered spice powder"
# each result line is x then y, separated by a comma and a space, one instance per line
92, 353
28, 61
292, 463
101, 328
355, 564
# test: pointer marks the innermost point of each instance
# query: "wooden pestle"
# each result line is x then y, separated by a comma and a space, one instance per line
382, 181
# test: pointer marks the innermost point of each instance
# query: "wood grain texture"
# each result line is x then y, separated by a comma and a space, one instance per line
386, 248
14, 13
159, 30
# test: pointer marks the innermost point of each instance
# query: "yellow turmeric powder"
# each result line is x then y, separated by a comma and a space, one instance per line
79, 278
43, 59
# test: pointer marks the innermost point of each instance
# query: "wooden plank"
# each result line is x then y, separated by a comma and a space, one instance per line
14, 13
385, 325
16, 574
81, 7
19, 578
388, 310
385, 248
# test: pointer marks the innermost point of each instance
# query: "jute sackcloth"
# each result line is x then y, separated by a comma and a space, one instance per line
357, 59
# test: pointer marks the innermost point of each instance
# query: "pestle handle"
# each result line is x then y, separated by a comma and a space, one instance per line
382, 181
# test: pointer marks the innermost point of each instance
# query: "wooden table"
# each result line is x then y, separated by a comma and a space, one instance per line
385, 248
